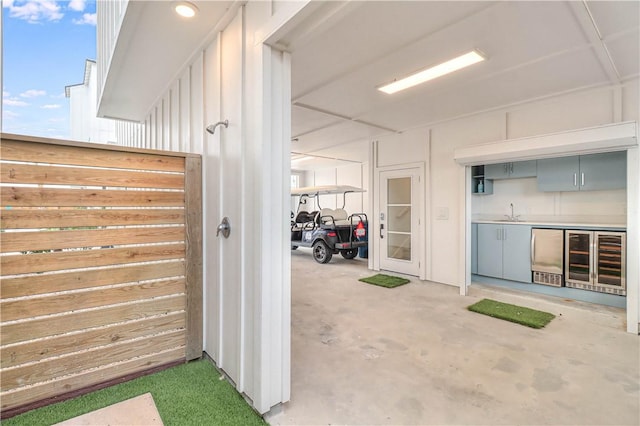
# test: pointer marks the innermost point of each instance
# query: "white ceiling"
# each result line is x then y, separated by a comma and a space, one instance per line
155, 52
344, 50
341, 51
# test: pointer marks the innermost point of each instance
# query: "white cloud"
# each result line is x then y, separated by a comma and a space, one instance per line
32, 93
5, 94
9, 115
87, 19
77, 5
57, 120
14, 102
51, 106
33, 11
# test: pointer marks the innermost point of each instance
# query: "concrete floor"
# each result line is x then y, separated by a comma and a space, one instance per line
363, 354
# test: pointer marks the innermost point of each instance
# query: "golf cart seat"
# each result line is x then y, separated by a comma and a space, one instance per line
304, 217
337, 217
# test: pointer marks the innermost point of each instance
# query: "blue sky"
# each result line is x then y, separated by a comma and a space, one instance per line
44, 47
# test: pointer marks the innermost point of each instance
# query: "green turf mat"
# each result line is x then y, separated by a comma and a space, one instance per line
518, 314
189, 394
383, 280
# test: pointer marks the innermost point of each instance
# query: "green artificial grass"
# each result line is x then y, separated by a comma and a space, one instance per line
189, 394
383, 280
525, 316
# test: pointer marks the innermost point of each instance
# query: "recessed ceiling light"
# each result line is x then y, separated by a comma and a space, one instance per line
439, 70
186, 9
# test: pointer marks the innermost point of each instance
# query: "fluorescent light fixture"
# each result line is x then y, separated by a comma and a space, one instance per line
439, 70
185, 9
301, 159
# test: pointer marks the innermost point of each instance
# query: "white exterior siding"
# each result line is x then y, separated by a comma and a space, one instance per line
109, 14
85, 125
246, 174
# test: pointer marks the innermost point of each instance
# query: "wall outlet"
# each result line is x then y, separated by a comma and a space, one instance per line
442, 213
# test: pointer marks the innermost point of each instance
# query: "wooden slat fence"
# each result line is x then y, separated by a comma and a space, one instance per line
100, 265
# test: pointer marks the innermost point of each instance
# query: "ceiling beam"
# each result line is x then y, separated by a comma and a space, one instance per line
343, 117
592, 32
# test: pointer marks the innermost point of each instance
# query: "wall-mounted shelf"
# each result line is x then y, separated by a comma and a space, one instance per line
477, 176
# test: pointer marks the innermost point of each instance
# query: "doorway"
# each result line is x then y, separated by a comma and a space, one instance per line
399, 220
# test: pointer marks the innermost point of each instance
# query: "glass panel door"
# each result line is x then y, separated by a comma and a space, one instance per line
579, 256
399, 226
610, 267
399, 218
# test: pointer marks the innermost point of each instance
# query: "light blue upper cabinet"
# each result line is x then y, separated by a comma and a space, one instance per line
523, 169
496, 171
603, 171
518, 169
583, 173
558, 174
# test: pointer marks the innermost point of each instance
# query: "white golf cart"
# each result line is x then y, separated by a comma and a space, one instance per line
327, 231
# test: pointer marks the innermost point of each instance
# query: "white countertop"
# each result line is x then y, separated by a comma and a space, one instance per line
555, 223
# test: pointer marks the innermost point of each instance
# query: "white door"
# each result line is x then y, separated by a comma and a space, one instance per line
399, 221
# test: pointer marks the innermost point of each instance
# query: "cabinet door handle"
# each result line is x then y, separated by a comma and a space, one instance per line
505, 168
582, 179
575, 179
498, 234
511, 168
533, 248
504, 233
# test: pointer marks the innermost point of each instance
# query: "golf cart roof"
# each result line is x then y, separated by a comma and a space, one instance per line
325, 189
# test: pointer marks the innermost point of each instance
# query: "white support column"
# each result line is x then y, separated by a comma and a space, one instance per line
633, 240
272, 281
464, 250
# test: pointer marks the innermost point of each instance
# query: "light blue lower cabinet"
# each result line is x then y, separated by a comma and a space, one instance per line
474, 248
490, 250
516, 253
504, 251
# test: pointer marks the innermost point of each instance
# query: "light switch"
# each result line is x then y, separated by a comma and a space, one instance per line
442, 213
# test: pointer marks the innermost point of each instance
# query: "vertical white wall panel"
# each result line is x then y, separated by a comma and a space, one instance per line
231, 143
326, 177
196, 106
350, 175
166, 122
175, 117
574, 111
401, 148
153, 130
211, 201
631, 101
184, 100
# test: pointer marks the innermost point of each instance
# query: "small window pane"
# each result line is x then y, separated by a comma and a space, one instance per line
399, 190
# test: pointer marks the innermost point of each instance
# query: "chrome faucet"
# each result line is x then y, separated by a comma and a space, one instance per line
512, 218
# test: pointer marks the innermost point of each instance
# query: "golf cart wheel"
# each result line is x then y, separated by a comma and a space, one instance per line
294, 247
321, 252
349, 254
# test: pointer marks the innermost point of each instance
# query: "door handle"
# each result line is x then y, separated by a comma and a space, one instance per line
498, 234
533, 248
575, 179
381, 228
224, 227
582, 179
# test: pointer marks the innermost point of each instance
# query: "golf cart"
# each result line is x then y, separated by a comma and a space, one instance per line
327, 231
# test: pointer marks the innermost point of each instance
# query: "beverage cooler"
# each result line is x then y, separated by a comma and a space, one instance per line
595, 260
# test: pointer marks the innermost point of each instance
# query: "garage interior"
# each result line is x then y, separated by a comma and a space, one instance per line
414, 355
